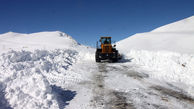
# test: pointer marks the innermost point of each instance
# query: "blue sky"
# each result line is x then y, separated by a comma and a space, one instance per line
87, 20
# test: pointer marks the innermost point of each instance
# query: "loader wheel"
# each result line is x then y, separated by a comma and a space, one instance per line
115, 60
97, 57
116, 57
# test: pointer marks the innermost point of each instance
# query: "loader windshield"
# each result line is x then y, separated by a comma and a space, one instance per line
106, 40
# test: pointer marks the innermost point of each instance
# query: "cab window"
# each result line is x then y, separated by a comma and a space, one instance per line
106, 41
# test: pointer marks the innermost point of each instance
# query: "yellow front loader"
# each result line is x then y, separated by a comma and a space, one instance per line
106, 51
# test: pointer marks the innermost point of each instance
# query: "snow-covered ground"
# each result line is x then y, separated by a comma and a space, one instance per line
51, 70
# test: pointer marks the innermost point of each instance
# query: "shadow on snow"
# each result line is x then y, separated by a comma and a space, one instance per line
62, 96
123, 60
119, 61
3, 102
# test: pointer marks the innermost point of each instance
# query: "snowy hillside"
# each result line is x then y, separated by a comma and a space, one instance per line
185, 25
176, 37
41, 40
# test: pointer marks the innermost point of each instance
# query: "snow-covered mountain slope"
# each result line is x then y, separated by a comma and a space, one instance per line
41, 40
185, 25
176, 37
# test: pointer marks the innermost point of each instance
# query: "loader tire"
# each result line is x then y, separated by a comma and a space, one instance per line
116, 57
115, 60
97, 57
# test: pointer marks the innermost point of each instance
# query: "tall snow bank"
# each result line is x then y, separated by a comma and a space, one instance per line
28, 76
86, 53
167, 66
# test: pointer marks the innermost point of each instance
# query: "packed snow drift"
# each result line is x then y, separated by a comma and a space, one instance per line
33, 67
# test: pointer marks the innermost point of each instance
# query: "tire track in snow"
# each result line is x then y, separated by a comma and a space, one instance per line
173, 93
106, 98
99, 87
118, 100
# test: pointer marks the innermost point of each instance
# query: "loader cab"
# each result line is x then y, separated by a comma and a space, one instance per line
106, 46
105, 40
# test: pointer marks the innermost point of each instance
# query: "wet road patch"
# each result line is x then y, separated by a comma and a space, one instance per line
174, 93
118, 100
136, 75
